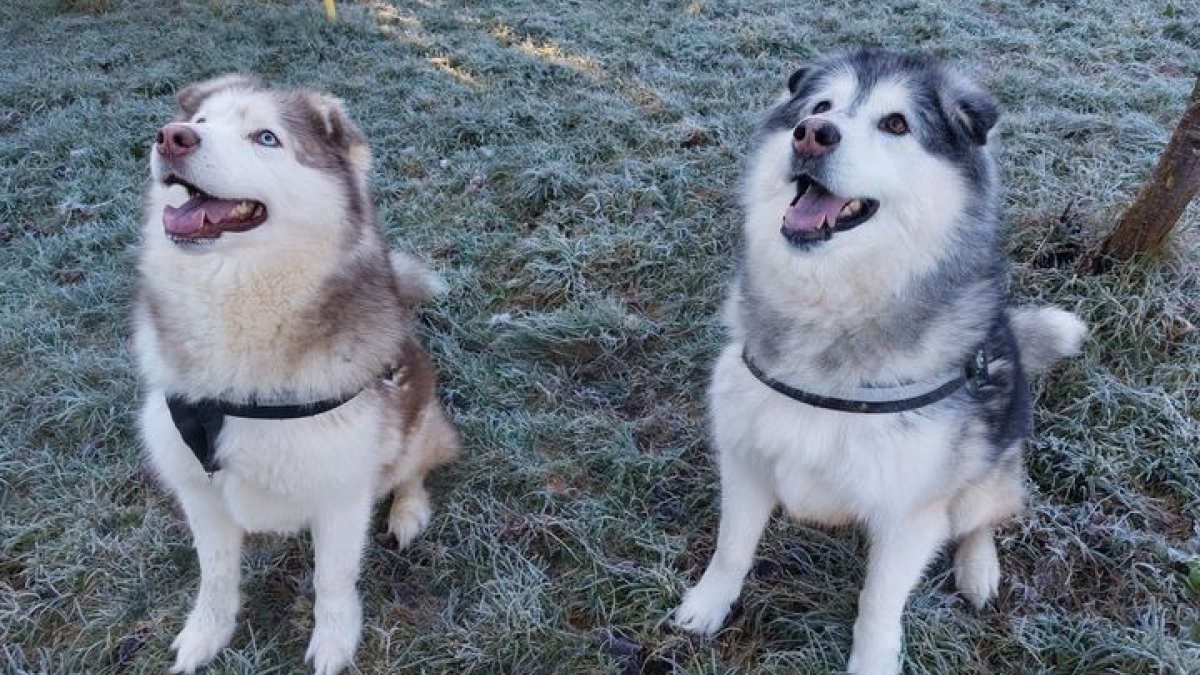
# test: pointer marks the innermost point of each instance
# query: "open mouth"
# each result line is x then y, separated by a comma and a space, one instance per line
816, 213
205, 217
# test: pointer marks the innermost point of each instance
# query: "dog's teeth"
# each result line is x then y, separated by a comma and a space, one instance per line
852, 208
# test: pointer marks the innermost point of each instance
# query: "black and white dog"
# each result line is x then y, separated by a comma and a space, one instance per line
874, 374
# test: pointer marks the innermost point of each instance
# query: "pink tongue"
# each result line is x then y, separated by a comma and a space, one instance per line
811, 211
189, 218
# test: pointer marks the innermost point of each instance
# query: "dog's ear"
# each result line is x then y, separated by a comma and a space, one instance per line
191, 96
975, 112
341, 131
797, 77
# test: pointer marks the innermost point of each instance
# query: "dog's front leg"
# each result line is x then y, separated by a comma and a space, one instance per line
900, 550
339, 536
747, 499
218, 542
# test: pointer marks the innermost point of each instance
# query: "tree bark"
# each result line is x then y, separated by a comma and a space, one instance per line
1161, 201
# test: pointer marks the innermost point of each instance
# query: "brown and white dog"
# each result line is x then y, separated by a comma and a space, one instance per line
284, 386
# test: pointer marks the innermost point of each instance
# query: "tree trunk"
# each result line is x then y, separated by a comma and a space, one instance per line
1161, 201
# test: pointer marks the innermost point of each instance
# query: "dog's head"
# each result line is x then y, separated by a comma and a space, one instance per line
873, 145
243, 164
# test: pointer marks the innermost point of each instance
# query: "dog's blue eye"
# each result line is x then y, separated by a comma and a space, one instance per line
267, 138
821, 107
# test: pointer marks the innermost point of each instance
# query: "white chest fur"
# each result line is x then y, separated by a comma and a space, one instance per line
828, 466
275, 475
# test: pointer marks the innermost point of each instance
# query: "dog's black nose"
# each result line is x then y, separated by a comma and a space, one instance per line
176, 140
814, 137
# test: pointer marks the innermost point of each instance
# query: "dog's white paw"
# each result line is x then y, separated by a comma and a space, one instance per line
703, 609
877, 646
874, 662
977, 570
409, 517
205, 633
335, 637
331, 650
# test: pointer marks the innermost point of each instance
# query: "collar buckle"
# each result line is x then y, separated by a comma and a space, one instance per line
976, 370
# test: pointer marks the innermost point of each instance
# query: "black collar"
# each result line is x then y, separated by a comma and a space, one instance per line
975, 372
199, 422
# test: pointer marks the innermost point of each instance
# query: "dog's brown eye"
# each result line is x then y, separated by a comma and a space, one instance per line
894, 124
821, 107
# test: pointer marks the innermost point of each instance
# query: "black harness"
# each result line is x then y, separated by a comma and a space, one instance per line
199, 422
974, 373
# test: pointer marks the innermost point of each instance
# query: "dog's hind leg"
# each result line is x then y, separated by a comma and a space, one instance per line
218, 542
436, 443
976, 567
900, 550
973, 515
410, 512
747, 500
339, 536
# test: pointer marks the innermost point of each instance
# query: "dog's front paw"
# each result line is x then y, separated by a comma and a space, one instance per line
329, 655
874, 662
877, 648
205, 633
703, 610
334, 641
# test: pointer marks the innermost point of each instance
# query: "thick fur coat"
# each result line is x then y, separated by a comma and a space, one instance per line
265, 279
873, 263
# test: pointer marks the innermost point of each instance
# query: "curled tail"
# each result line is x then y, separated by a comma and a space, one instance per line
416, 282
1045, 335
